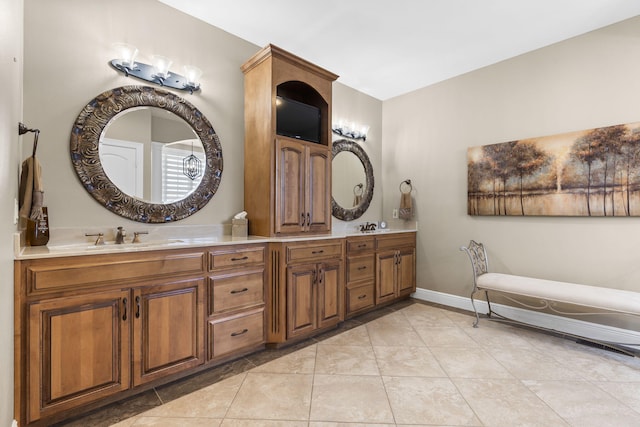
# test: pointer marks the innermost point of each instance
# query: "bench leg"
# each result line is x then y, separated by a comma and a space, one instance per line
475, 310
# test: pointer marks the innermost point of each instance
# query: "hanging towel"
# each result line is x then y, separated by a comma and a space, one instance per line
357, 195
31, 190
406, 206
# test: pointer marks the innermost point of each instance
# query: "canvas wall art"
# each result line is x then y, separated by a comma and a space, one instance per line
594, 172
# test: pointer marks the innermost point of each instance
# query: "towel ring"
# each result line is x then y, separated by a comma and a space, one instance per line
408, 183
358, 187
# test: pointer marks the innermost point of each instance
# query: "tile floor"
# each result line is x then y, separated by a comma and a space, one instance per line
410, 364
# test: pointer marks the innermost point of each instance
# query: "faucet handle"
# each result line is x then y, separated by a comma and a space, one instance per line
136, 234
99, 240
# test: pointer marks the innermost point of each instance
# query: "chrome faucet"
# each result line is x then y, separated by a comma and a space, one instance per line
369, 226
120, 234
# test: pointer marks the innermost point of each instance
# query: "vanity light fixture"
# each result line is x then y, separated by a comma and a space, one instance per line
350, 131
158, 72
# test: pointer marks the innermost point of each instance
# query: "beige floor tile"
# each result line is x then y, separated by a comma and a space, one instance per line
262, 423
176, 422
302, 361
420, 315
428, 401
445, 337
126, 423
528, 364
627, 393
355, 336
469, 363
600, 365
328, 424
583, 404
494, 334
265, 396
506, 403
350, 398
348, 360
393, 333
210, 402
407, 361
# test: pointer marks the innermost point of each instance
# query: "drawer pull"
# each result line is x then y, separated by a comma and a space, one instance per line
364, 267
124, 306
235, 334
239, 291
321, 251
240, 259
137, 307
362, 296
362, 245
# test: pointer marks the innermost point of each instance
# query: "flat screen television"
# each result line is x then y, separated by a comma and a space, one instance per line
297, 120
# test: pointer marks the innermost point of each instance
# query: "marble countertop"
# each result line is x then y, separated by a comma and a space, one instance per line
77, 244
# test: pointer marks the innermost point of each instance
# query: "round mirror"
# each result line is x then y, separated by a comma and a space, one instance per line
146, 154
352, 177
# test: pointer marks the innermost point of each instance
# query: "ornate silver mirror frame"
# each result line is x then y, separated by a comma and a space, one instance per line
85, 138
356, 212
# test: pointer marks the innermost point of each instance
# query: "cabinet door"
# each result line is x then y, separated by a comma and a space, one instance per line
78, 351
319, 189
330, 294
290, 215
386, 276
168, 333
406, 272
301, 299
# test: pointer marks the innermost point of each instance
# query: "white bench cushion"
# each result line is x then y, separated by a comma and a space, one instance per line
571, 293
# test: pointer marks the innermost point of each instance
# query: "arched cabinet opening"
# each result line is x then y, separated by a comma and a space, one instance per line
302, 113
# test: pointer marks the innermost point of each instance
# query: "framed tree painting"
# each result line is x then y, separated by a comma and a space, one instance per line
594, 172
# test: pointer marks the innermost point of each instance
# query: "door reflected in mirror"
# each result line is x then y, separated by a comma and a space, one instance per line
349, 179
143, 150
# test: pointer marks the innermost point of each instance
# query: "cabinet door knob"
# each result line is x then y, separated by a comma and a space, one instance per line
124, 307
236, 291
235, 334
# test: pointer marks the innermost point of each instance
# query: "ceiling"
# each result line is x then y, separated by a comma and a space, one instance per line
386, 48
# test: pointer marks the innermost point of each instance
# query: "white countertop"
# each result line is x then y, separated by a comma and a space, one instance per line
82, 245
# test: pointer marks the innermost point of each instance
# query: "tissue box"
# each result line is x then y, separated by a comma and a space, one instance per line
239, 227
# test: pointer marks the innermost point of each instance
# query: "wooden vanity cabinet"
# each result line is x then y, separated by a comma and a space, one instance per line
306, 291
395, 266
287, 180
235, 305
360, 274
303, 190
91, 328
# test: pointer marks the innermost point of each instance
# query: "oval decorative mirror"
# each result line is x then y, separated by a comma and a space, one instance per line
352, 176
146, 154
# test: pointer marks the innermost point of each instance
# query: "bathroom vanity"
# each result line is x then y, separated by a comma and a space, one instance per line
94, 325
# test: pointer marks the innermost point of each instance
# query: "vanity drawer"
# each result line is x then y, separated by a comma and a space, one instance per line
236, 257
360, 268
314, 252
360, 244
396, 241
359, 298
236, 290
231, 334
56, 274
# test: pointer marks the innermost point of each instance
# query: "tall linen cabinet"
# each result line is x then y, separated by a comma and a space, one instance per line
287, 180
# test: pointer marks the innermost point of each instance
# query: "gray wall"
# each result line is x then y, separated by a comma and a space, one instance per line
10, 108
582, 83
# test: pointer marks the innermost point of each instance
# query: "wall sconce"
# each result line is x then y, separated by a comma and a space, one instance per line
158, 72
350, 130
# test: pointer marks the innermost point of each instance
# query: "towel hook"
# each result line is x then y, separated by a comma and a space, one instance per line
22, 129
406, 182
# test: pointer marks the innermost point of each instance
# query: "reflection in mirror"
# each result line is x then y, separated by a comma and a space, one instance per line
352, 180
142, 151
159, 188
348, 179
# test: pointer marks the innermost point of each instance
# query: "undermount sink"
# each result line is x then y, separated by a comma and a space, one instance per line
113, 246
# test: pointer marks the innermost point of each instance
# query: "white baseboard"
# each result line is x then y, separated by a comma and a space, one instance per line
580, 328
